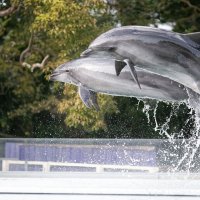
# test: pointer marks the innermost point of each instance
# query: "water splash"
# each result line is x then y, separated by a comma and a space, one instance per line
188, 149
146, 109
194, 142
162, 129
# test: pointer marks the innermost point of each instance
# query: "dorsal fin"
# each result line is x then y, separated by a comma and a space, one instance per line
192, 39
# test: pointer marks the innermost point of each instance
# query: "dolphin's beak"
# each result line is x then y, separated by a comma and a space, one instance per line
63, 76
99, 52
86, 52
54, 75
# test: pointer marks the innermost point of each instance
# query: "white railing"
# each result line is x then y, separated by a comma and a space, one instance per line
46, 166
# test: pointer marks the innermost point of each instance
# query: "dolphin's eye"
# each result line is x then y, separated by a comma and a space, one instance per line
66, 70
111, 49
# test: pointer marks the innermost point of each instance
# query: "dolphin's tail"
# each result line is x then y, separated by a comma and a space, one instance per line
193, 39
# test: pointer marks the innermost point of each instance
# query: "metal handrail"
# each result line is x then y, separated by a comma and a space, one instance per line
46, 166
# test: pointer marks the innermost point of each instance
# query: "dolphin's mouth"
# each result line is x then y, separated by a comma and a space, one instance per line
86, 52
55, 74
98, 50
64, 76
53, 77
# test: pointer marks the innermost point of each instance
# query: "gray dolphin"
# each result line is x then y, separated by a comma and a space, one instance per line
93, 74
169, 54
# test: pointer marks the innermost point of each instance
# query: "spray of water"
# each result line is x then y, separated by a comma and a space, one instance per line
186, 149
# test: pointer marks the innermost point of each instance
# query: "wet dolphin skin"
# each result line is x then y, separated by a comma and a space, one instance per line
168, 54
94, 74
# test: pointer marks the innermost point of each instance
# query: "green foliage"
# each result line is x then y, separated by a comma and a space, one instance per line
135, 12
184, 13
79, 115
61, 29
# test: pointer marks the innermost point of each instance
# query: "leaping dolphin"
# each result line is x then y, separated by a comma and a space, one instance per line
169, 54
93, 75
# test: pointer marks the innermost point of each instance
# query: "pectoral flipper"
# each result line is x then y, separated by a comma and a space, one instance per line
88, 97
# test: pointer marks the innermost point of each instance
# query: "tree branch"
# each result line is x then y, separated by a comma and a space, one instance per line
40, 65
196, 8
28, 50
9, 11
3, 135
3, 89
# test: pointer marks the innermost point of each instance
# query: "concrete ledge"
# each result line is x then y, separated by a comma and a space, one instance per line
92, 197
101, 184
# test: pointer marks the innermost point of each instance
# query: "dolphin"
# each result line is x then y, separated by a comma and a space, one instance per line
95, 75
172, 55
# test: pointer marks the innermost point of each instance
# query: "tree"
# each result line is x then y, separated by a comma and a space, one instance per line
35, 37
184, 14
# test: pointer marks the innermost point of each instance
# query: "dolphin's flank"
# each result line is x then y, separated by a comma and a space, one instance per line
98, 75
168, 54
